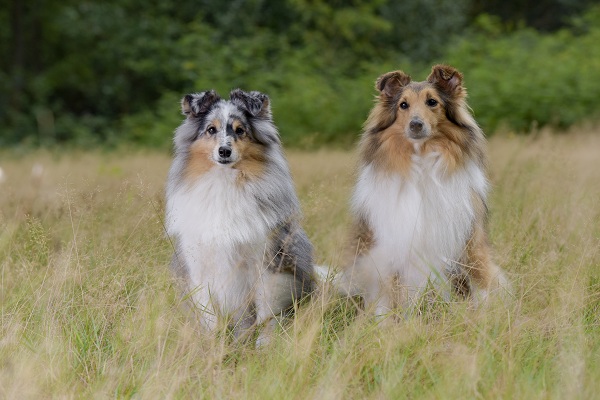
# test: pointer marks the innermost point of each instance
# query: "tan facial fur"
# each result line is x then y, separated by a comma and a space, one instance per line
409, 113
253, 159
478, 262
251, 155
392, 152
424, 106
413, 106
200, 157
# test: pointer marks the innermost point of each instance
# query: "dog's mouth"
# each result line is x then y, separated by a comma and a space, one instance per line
224, 161
417, 135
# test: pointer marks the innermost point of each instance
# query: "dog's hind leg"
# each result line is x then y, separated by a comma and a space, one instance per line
275, 292
485, 276
459, 281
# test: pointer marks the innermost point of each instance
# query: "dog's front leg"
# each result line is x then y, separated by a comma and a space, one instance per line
243, 324
275, 292
205, 309
378, 302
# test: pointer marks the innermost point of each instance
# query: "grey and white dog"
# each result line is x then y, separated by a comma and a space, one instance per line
234, 214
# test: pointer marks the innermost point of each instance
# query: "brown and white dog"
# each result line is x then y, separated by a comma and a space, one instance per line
420, 198
233, 210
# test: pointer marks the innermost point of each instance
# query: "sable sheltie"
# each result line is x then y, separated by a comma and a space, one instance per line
233, 210
420, 197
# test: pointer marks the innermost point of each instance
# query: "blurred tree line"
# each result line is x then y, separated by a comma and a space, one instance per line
90, 72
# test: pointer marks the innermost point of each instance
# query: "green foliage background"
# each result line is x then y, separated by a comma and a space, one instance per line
97, 72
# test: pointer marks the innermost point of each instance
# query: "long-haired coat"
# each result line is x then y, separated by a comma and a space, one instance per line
233, 210
420, 198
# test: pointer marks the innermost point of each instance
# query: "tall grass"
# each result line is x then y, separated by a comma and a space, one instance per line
89, 309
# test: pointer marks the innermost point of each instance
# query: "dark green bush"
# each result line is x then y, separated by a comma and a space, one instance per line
523, 78
99, 76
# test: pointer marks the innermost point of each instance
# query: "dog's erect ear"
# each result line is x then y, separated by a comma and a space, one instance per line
447, 79
390, 84
195, 104
257, 104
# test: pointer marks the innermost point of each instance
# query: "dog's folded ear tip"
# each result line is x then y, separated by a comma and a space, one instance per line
193, 104
254, 102
448, 78
443, 71
390, 83
259, 95
239, 93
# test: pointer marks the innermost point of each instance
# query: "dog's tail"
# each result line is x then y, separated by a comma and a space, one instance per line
327, 277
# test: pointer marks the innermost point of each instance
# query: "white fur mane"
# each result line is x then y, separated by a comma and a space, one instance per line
216, 209
419, 224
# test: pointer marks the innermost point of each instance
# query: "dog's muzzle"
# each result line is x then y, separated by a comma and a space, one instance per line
224, 154
417, 129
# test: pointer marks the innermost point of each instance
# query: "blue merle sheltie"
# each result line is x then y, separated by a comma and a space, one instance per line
234, 214
419, 203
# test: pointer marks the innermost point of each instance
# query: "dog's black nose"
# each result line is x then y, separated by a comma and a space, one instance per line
224, 152
416, 125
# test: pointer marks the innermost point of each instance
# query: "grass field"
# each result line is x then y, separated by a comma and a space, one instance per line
89, 310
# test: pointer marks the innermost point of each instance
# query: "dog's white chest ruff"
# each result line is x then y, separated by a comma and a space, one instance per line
422, 223
216, 210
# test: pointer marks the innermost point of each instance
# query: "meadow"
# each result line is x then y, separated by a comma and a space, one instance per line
89, 309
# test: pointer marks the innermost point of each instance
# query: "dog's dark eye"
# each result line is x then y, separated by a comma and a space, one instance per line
239, 131
431, 102
211, 130
404, 105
